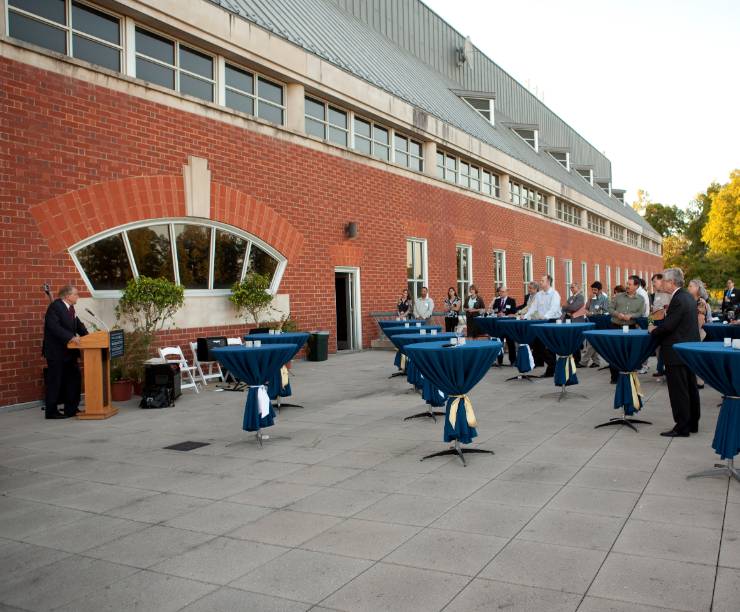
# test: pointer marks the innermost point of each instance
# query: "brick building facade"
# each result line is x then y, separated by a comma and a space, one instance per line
84, 151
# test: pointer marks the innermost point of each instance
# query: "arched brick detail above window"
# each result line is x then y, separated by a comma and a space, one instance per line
74, 216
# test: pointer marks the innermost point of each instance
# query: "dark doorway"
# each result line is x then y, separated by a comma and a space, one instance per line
342, 286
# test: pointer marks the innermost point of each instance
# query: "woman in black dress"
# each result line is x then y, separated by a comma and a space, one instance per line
405, 305
474, 307
452, 309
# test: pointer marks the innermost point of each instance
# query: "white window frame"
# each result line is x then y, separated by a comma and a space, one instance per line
550, 268
527, 270
597, 272
371, 140
618, 275
491, 105
407, 152
536, 136
499, 261
256, 76
584, 275
70, 31
608, 274
568, 274
176, 65
424, 262
326, 123
590, 179
171, 222
560, 163
464, 284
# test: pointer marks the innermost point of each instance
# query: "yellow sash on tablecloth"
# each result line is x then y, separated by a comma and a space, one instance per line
635, 389
469, 414
403, 361
284, 377
570, 366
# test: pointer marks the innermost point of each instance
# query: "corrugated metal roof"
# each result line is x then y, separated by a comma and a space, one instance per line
386, 41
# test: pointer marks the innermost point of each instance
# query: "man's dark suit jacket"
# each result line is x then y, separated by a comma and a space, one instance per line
509, 305
59, 329
527, 296
681, 324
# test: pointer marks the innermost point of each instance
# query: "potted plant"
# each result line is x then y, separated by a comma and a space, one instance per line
251, 297
147, 306
121, 387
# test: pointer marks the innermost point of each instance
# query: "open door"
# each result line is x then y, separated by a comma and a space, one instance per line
347, 291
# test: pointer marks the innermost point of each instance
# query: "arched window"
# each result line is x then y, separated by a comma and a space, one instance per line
206, 257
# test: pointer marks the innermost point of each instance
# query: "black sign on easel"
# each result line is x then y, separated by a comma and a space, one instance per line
116, 343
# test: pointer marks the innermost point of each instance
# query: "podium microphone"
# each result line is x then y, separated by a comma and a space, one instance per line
92, 314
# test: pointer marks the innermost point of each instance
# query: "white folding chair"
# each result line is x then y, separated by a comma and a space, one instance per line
214, 367
186, 370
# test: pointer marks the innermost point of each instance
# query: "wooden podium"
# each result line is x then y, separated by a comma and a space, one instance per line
95, 349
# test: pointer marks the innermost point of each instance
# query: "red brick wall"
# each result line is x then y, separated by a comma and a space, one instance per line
76, 159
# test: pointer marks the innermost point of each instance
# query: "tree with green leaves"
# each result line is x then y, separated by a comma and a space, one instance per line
251, 296
722, 230
666, 220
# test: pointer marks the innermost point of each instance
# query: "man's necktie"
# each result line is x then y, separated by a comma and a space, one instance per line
72, 314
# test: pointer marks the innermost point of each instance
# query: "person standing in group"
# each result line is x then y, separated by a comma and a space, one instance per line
658, 306
597, 305
680, 325
453, 305
731, 299
704, 314
424, 306
63, 379
474, 307
505, 306
544, 305
625, 309
405, 305
532, 290
575, 306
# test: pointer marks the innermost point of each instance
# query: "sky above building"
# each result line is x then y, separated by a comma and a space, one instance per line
651, 83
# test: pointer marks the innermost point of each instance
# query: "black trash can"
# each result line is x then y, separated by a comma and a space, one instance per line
318, 346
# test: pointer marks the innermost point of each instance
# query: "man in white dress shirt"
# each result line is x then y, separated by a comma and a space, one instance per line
424, 306
546, 306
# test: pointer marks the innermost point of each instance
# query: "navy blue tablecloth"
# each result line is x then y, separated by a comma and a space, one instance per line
717, 332
720, 368
487, 325
626, 352
455, 371
256, 367
602, 321
563, 339
522, 332
395, 323
428, 391
275, 387
402, 329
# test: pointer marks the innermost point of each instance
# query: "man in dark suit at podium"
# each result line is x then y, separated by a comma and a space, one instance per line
63, 380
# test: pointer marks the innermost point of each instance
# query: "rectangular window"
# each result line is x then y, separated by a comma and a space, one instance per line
372, 139
499, 269
464, 268
604, 186
631, 237
253, 94
68, 27
568, 274
489, 183
626, 275
596, 224
550, 268
408, 153
618, 275
616, 231
326, 121
416, 265
597, 272
527, 271
528, 198
584, 275
447, 167
174, 65
568, 213
608, 271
